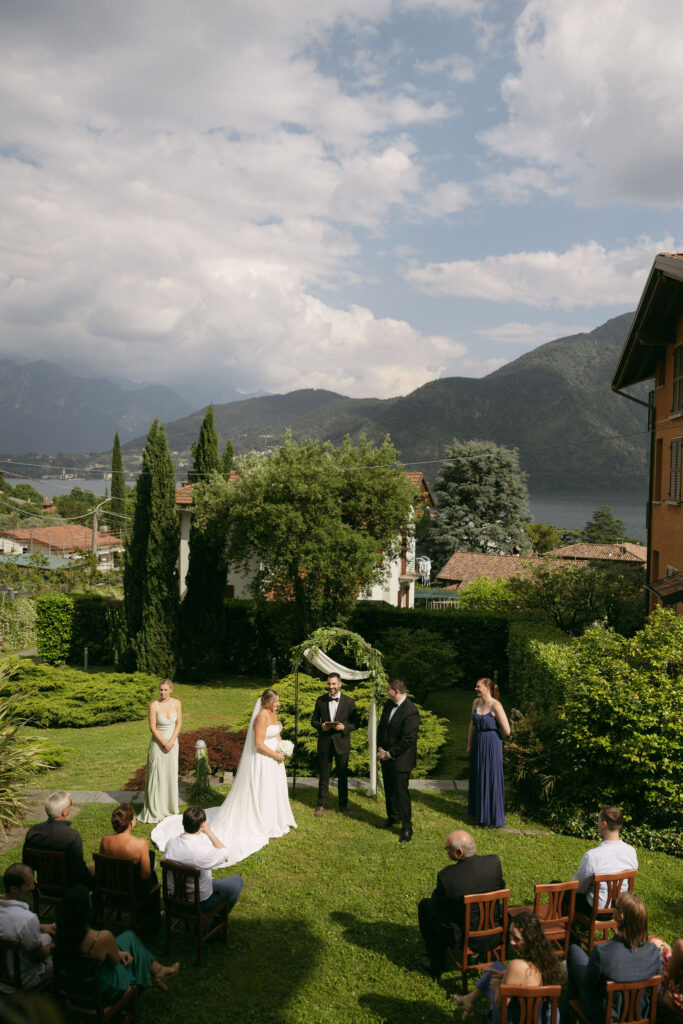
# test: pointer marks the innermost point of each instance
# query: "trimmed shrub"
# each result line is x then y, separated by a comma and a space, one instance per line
65, 697
425, 661
17, 624
431, 738
54, 625
538, 663
95, 622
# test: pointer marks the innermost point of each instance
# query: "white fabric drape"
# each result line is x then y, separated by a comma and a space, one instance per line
327, 665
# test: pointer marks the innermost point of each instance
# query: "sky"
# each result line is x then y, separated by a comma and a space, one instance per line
358, 195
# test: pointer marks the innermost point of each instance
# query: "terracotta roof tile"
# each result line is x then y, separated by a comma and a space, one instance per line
64, 538
603, 552
467, 566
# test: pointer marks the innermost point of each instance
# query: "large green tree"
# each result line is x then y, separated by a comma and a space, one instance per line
77, 504
482, 503
604, 528
313, 523
150, 577
202, 619
117, 505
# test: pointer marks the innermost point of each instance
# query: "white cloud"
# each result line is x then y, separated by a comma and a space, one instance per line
458, 67
585, 275
595, 97
445, 198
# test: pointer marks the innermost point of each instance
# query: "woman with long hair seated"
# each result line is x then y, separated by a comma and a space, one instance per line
537, 965
125, 959
123, 845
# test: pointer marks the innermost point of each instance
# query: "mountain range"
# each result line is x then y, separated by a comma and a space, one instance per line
554, 404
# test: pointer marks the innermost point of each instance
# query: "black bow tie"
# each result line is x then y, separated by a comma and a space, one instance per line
333, 700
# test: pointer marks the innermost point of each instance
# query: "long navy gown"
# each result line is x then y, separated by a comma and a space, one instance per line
486, 802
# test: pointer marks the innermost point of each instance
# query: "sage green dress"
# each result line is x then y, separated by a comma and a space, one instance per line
161, 781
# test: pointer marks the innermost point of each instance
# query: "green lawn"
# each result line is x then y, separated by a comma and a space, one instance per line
326, 929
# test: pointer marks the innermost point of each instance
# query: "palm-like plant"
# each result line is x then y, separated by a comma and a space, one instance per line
19, 756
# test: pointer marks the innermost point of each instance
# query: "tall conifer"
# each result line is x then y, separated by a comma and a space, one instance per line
117, 505
202, 617
150, 578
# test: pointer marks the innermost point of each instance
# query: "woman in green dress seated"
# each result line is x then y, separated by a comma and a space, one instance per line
124, 960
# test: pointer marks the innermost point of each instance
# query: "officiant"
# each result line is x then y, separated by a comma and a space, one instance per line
334, 719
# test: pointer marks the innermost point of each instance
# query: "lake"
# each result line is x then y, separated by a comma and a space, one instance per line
570, 509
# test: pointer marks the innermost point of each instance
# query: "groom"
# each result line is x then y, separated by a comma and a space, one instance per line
334, 718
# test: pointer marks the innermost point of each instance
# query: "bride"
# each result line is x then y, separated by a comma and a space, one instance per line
257, 807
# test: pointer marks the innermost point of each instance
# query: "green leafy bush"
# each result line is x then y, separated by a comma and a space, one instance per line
538, 660
60, 697
54, 626
431, 739
425, 661
20, 758
17, 624
95, 622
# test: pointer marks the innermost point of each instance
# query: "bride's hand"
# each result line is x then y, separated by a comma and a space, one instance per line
279, 757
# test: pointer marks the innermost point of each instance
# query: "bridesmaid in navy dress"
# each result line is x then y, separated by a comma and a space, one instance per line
489, 724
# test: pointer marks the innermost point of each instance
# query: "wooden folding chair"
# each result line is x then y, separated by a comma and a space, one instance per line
624, 999
10, 968
186, 911
538, 1005
554, 907
488, 932
601, 919
81, 994
119, 885
50, 871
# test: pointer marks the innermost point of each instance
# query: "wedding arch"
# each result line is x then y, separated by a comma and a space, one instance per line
314, 650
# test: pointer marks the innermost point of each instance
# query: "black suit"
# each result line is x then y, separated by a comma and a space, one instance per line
334, 743
399, 738
61, 837
442, 915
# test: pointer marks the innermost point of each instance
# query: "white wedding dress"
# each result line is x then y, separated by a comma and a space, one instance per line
255, 810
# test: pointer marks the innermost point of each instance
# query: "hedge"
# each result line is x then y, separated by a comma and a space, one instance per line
96, 621
17, 624
54, 624
66, 697
538, 661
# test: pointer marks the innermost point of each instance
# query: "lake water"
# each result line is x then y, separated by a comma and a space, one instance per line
563, 508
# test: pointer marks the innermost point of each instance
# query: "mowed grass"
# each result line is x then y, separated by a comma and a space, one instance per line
326, 928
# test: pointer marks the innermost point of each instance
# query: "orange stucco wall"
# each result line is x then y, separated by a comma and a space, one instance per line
666, 519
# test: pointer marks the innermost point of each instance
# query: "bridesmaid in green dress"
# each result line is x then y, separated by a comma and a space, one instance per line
161, 781
125, 959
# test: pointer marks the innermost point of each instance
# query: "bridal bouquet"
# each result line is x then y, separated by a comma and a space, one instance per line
285, 747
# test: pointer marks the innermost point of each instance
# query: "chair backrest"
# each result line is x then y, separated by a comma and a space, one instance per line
537, 1005
50, 869
614, 885
82, 993
10, 965
554, 912
486, 923
629, 998
185, 881
115, 877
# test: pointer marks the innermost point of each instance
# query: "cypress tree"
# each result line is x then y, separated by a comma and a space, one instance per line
205, 450
150, 577
227, 459
117, 505
202, 616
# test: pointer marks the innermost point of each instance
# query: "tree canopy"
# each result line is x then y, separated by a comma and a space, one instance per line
482, 503
313, 523
604, 528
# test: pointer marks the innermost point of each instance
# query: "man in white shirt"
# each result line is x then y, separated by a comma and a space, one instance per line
19, 924
198, 847
610, 857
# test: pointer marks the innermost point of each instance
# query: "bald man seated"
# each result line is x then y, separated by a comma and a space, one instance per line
442, 915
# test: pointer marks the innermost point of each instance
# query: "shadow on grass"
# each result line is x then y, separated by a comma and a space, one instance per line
436, 800
399, 943
389, 1008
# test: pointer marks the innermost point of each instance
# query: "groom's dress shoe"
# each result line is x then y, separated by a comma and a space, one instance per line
387, 824
319, 811
406, 835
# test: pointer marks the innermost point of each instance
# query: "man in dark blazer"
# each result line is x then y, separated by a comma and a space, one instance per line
397, 750
442, 915
334, 718
57, 834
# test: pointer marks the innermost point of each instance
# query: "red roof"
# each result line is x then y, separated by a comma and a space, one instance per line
467, 566
63, 538
603, 552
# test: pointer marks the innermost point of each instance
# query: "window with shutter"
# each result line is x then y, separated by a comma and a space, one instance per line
675, 469
677, 405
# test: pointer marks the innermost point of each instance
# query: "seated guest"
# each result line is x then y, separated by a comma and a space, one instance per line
19, 924
629, 956
198, 847
537, 965
610, 857
671, 988
123, 845
125, 959
442, 915
57, 834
